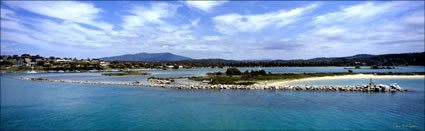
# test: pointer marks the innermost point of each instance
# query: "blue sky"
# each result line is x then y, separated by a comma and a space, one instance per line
212, 29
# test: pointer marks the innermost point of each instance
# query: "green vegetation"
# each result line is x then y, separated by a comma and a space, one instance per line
233, 71
126, 73
19, 69
357, 67
175, 67
382, 67
360, 60
38, 79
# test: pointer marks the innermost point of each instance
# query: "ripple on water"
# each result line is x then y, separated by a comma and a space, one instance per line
42, 105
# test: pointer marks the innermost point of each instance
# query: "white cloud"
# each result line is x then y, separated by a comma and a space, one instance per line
391, 27
21, 38
13, 25
195, 22
153, 27
5, 13
233, 23
204, 5
330, 31
46, 33
141, 15
211, 38
66, 10
384, 30
365, 12
72, 34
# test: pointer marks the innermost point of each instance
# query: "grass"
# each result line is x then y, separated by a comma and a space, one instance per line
159, 78
126, 73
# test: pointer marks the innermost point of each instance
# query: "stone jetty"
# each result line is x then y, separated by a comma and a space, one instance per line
160, 80
356, 88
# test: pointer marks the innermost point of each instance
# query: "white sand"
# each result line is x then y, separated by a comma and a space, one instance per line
344, 77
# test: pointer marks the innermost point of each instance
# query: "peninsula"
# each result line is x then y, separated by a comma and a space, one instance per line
258, 77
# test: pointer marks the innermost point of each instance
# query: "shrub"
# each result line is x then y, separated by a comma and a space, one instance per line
233, 71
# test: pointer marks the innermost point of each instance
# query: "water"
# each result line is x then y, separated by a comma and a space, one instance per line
200, 72
55, 106
339, 69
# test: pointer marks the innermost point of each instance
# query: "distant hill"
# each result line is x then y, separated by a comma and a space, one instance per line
205, 61
328, 59
150, 57
384, 59
360, 59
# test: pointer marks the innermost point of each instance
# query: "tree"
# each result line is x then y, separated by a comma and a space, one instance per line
175, 67
233, 71
262, 72
25, 55
357, 67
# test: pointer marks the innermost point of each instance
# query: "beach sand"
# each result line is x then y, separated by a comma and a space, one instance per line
344, 77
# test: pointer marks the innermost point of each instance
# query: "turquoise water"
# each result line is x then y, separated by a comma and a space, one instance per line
54, 106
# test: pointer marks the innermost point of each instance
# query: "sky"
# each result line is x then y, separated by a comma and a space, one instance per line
238, 30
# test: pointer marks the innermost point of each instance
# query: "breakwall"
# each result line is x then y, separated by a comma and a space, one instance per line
358, 88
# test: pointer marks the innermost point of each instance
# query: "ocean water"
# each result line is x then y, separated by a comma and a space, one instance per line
34, 105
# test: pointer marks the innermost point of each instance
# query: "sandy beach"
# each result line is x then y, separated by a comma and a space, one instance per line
344, 77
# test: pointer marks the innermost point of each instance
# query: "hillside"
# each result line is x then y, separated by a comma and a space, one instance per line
149, 57
361, 59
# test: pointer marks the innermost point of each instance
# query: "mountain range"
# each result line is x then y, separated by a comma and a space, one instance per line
150, 57
384, 59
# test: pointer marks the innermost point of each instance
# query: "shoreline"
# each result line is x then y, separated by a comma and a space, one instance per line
344, 77
141, 69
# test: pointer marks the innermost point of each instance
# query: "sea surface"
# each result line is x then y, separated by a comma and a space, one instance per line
30, 105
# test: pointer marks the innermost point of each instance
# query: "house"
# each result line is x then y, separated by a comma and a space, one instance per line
25, 62
104, 63
39, 61
95, 60
64, 60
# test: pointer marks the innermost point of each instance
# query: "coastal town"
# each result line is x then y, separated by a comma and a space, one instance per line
36, 63
50, 64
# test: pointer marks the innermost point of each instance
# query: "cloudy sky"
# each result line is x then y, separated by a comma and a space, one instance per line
212, 29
